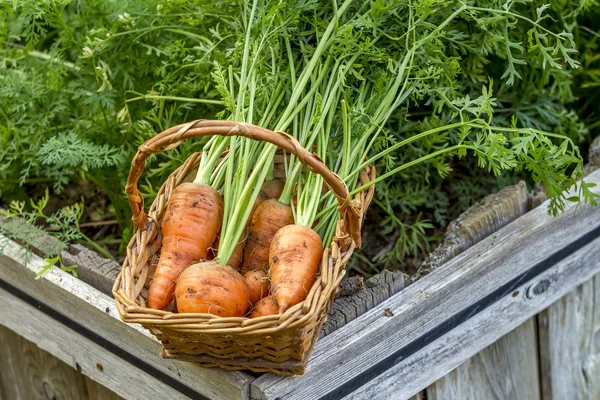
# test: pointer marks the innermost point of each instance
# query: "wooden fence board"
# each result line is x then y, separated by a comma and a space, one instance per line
432, 362
85, 355
460, 299
97, 391
27, 372
12, 371
505, 370
569, 332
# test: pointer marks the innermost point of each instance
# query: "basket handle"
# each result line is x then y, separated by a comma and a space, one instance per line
350, 209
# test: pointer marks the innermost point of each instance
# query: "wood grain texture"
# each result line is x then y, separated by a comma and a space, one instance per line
448, 290
96, 311
443, 355
376, 289
32, 237
506, 370
30, 373
92, 268
12, 385
569, 332
83, 354
350, 285
98, 392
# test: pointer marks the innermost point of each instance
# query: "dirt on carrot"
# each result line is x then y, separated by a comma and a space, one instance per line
295, 255
266, 306
213, 288
268, 218
192, 220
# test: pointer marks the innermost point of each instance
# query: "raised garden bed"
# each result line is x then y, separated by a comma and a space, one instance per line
395, 350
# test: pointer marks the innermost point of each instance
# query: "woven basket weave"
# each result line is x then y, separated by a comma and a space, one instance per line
275, 343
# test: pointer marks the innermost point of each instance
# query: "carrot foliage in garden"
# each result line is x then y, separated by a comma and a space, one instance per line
449, 99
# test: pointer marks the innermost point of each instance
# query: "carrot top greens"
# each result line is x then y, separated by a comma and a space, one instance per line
345, 75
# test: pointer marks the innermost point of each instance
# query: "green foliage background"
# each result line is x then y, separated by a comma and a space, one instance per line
83, 83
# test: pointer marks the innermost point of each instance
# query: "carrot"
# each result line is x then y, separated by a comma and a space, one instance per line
273, 188
214, 288
295, 255
268, 218
258, 283
192, 220
266, 306
236, 259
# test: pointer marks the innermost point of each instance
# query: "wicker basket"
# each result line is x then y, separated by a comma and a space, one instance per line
275, 343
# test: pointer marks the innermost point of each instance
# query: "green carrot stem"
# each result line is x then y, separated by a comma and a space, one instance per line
395, 171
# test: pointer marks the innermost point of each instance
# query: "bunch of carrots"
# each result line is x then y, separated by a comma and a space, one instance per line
267, 274
236, 242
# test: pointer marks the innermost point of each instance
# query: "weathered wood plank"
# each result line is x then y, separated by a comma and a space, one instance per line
89, 308
92, 268
376, 289
30, 373
32, 237
507, 369
12, 374
350, 285
97, 391
425, 314
81, 353
569, 332
432, 362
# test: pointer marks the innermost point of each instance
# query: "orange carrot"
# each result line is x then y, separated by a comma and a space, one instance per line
295, 255
258, 283
214, 288
266, 306
192, 220
273, 188
236, 259
268, 218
